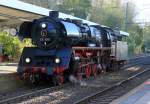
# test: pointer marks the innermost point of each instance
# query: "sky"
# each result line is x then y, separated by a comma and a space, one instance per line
143, 10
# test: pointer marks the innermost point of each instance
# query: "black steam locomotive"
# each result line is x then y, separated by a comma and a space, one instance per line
64, 47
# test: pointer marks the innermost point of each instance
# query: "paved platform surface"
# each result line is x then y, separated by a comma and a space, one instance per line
8, 68
139, 95
9, 79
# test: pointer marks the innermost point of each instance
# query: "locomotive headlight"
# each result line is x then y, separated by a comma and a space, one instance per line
57, 60
77, 58
43, 25
28, 60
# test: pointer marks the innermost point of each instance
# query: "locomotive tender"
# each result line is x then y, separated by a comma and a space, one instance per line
64, 47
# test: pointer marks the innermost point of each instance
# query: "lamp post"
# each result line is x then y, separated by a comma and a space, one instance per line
126, 16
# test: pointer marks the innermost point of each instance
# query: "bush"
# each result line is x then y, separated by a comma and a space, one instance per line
11, 46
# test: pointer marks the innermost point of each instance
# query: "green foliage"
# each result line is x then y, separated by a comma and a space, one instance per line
110, 14
78, 8
12, 45
136, 40
147, 37
8, 43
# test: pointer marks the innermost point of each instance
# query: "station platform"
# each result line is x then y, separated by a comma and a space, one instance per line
8, 68
139, 95
9, 79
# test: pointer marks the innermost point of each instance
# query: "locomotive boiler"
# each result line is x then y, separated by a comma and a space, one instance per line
63, 47
50, 32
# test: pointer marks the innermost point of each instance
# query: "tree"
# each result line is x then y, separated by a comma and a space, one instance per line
78, 8
109, 14
12, 45
147, 37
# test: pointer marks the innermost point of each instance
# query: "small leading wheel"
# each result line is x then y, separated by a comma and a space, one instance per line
58, 80
76, 69
25, 76
35, 79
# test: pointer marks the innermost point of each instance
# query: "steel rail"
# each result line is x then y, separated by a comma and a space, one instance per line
33, 93
87, 98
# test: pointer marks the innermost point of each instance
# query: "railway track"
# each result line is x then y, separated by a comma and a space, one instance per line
36, 93
136, 61
109, 94
29, 95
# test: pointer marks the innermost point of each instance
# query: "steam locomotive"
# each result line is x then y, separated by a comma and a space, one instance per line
64, 47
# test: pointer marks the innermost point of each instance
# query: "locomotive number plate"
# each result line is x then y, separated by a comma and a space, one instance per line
43, 33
